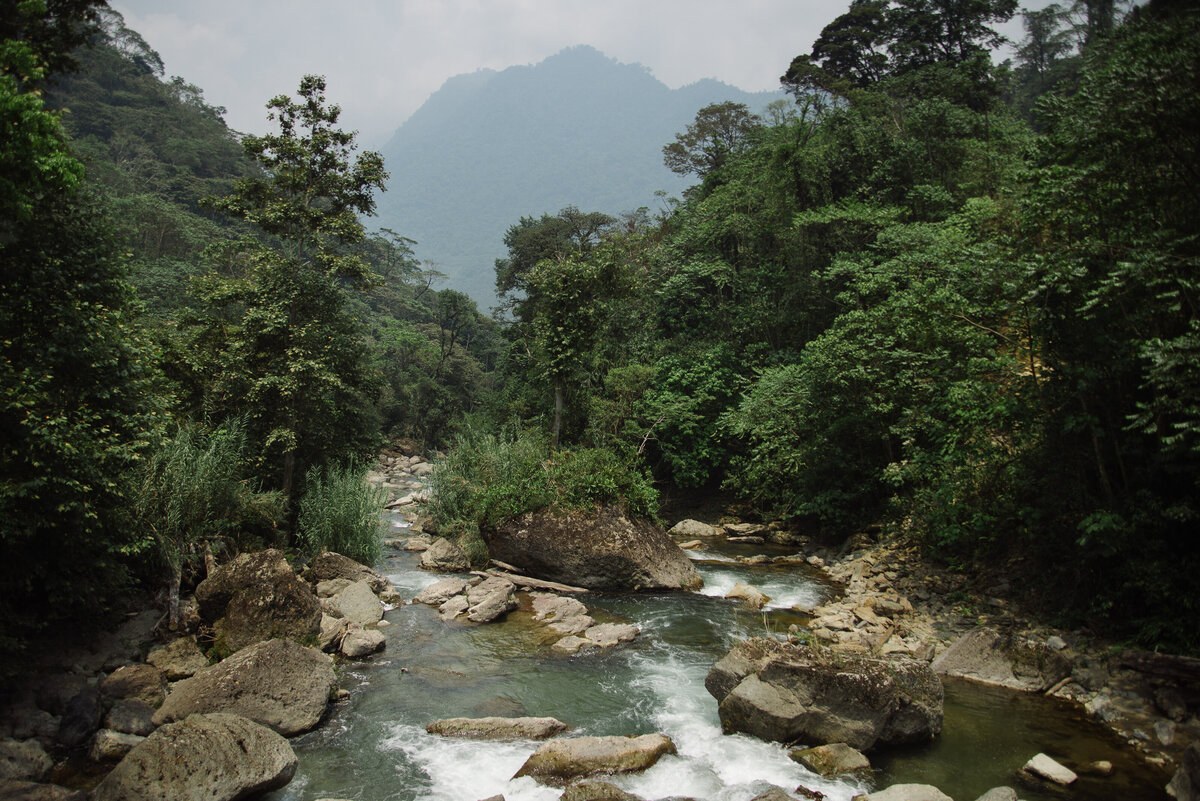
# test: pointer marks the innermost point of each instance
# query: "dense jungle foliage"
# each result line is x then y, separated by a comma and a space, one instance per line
950, 296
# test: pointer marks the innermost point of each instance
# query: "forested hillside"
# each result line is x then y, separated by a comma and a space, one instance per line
954, 297
576, 129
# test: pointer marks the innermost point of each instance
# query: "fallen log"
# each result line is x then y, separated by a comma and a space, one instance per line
1163, 666
530, 583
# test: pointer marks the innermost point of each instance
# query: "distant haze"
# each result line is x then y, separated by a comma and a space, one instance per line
490, 147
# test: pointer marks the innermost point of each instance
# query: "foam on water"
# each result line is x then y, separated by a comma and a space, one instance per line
784, 590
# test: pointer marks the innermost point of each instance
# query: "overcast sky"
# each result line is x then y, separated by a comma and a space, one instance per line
383, 58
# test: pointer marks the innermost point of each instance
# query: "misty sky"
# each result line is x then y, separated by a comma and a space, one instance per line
383, 58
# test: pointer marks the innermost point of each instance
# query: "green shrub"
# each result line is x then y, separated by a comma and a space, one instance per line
487, 479
340, 512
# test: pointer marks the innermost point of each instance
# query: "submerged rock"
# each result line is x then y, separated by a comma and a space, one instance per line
277, 683
493, 728
786, 692
217, 757
603, 550
559, 761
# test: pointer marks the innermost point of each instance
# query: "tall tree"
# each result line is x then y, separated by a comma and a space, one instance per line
294, 360
720, 130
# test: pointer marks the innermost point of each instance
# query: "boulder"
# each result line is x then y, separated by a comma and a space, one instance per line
112, 746
15, 790
277, 683
135, 682
333, 629
694, 528
986, 655
835, 759
245, 570
498, 728
130, 716
444, 556
439, 592
360, 642
596, 791
490, 599
216, 757
330, 565
789, 692
754, 597
1045, 768
24, 760
774, 793
604, 550
357, 603
179, 658
558, 761
80, 719
453, 607
1185, 784
906, 792
551, 608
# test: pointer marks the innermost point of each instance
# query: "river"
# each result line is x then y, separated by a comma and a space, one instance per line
374, 747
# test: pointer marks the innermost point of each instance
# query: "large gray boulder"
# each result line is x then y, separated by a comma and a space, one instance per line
987, 656
559, 761
330, 565
217, 757
257, 597
357, 603
787, 693
442, 555
493, 728
24, 760
277, 683
604, 550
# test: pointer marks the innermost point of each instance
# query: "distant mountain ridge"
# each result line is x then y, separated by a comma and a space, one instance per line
489, 147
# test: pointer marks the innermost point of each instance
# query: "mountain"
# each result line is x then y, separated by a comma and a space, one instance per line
490, 147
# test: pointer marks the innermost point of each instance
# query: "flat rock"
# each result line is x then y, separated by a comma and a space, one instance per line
999, 794
987, 656
440, 591
179, 658
694, 528
277, 683
555, 607
572, 625
453, 607
559, 761
493, 728
216, 757
834, 759
606, 635
572, 644
1043, 767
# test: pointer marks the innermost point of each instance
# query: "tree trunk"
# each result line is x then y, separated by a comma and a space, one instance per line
558, 410
289, 470
173, 616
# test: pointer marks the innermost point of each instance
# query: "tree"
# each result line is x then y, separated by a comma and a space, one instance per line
77, 399
719, 131
293, 360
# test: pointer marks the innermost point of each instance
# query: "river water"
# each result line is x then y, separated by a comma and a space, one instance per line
373, 746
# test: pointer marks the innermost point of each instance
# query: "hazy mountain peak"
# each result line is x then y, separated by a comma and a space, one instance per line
578, 128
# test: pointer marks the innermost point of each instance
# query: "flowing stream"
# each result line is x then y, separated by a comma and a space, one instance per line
374, 746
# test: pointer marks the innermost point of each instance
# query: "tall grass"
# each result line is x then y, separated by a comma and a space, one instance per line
486, 479
341, 512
